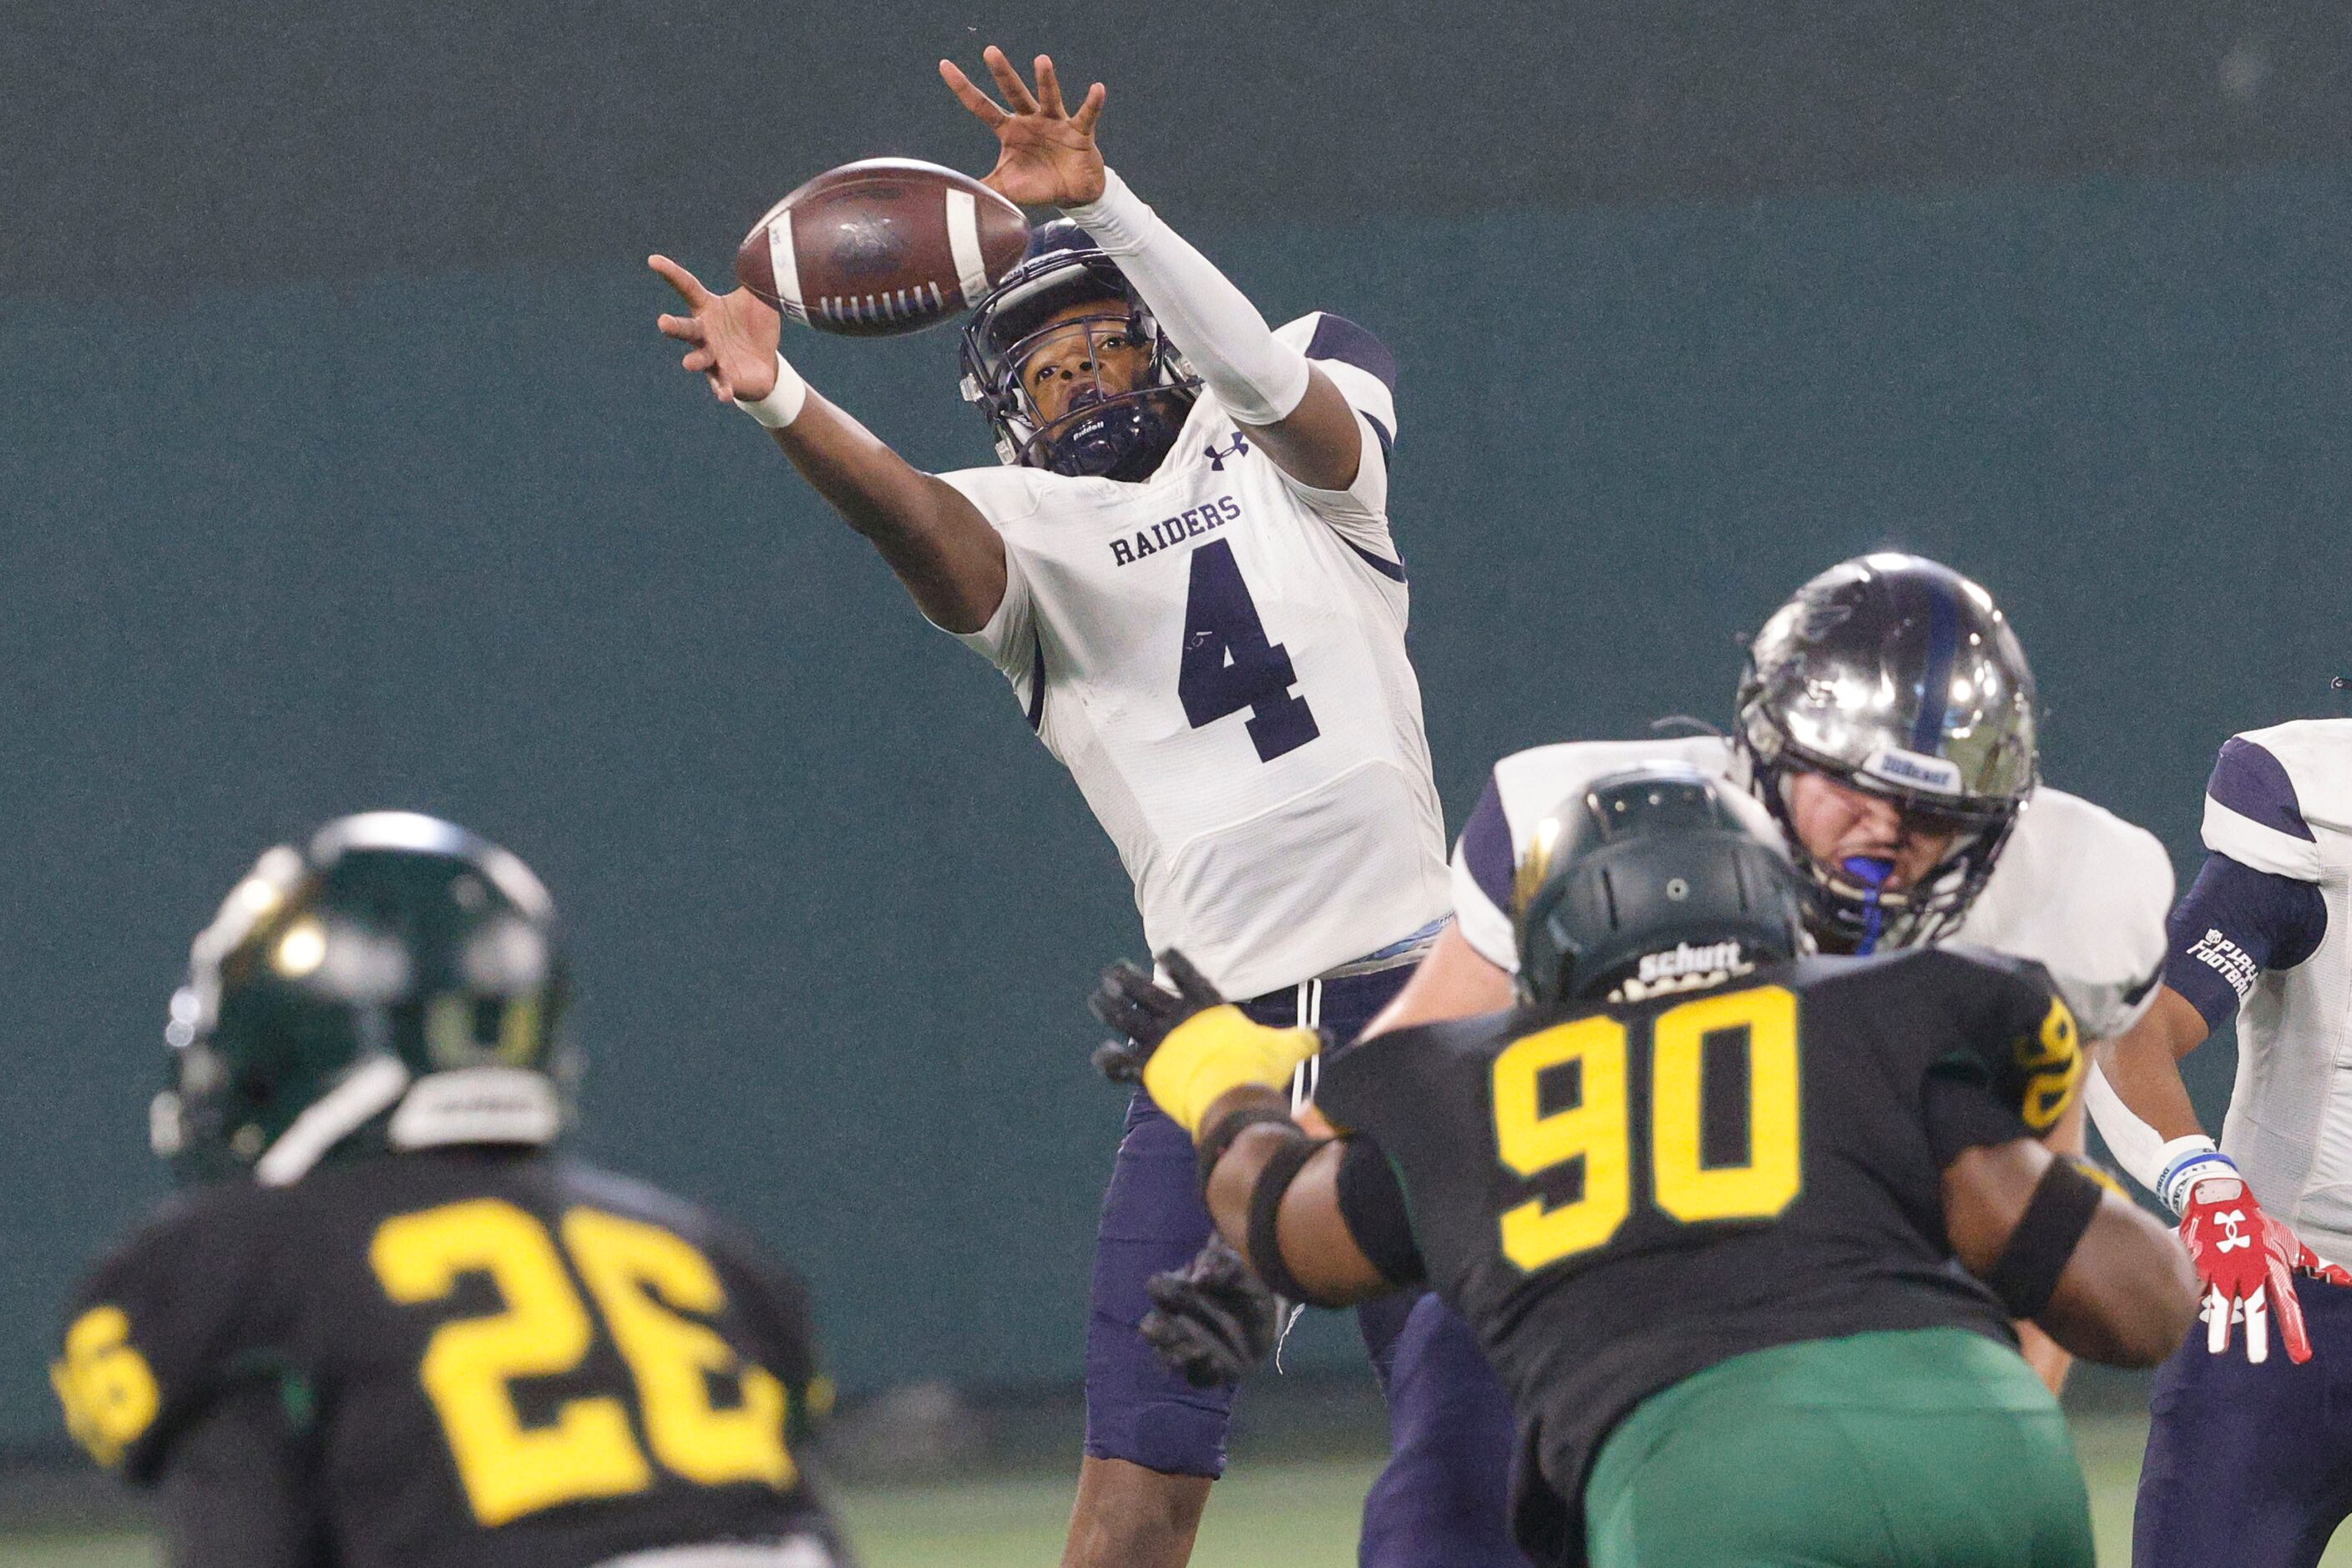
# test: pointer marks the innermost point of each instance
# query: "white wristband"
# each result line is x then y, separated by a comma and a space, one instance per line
2186, 1161
785, 401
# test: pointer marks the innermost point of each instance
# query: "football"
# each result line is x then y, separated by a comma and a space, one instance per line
882, 247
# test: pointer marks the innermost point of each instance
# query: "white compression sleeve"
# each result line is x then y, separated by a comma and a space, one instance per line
1257, 379
2138, 1148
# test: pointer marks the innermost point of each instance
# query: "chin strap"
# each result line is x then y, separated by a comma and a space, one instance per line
1871, 871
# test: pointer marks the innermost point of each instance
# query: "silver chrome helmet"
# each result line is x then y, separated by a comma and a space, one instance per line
1897, 677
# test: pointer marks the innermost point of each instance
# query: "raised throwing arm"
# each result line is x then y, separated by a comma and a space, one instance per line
1048, 158
935, 540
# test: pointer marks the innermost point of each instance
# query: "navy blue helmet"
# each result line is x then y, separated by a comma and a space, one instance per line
1108, 433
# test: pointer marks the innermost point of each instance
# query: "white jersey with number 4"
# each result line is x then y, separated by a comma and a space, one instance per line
2077, 888
1217, 654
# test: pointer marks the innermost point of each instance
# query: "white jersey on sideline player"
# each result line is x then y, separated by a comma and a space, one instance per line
2280, 803
1217, 654
2076, 889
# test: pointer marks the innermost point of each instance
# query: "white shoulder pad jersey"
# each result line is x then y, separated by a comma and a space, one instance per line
2077, 890
2263, 936
1217, 654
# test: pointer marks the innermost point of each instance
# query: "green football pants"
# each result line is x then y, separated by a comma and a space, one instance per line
1932, 1448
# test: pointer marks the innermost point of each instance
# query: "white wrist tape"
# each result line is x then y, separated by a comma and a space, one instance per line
784, 403
1258, 379
2186, 1161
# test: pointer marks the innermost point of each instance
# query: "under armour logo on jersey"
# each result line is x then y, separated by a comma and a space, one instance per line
2230, 1235
1240, 448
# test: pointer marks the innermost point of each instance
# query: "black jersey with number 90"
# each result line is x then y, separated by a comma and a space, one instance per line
1618, 1199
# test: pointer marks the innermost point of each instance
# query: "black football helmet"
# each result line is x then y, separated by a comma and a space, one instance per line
1653, 880
395, 984
1899, 677
1107, 434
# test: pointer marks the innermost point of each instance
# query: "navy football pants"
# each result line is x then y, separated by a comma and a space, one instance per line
1444, 1498
2250, 1466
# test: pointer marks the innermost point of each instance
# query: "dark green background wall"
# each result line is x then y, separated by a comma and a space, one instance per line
304, 527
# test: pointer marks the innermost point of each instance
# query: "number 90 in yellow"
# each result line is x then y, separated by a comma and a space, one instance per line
1595, 1130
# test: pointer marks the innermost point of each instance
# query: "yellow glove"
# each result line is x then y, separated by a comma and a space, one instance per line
1214, 1052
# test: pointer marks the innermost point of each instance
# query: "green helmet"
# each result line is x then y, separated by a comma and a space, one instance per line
395, 985
1650, 880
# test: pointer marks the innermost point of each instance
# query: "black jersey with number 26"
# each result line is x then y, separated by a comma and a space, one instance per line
485, 1358
1620, 1199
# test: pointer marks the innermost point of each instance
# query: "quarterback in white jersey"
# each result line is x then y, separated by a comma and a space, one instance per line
2250, 1458
1886, 720
1216, 653
1184, 569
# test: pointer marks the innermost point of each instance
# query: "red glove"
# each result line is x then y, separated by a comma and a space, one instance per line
2248, 1261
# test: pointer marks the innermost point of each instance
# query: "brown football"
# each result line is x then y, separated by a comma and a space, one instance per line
882, 247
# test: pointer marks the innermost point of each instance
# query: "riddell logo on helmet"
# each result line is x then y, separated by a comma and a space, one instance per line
1912, 771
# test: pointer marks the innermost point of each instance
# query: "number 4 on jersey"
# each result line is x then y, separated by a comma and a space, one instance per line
1229, 665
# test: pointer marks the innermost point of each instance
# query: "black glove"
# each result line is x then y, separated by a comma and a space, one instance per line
1213, 1320
1144, 1011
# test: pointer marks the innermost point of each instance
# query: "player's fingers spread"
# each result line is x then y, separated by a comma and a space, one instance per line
1008, 81
690, 288
685, 329
1190, 982
1091, 109
971, 97
2258, 1327
1143, 995
2217, 1320
1121, 1016
1049, 88
1115, 1000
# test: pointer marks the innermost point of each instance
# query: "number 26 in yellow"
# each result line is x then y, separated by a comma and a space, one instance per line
643, 1279
1595, 1130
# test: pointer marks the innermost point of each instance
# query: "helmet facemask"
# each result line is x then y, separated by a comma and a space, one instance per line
1104, 431
1852, 910
1898, 679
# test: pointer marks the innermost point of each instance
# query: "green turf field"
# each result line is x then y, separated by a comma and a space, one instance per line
1266, 1516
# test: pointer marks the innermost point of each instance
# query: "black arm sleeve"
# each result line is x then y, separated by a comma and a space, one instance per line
1371, 1202
234, 1491
1963, 1113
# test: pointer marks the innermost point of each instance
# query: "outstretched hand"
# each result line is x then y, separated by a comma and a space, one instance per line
732, 338
1145, 1012
1046, 155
